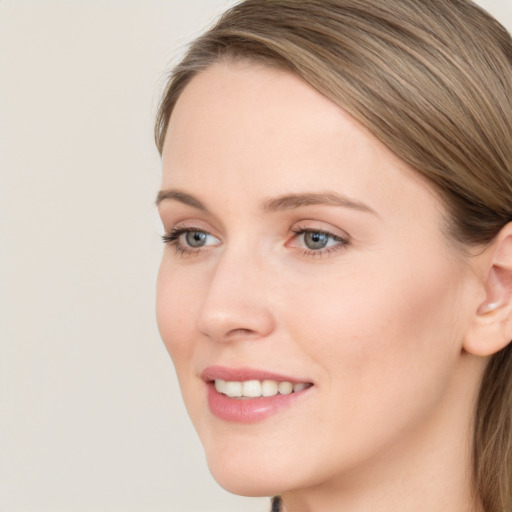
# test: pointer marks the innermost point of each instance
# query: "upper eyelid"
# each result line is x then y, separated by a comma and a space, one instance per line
178, 231
184, 226
191, 225
320, 227
173, 213
339, 238
309, 225
308, 229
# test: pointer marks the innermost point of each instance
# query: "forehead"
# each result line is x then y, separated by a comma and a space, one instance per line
243, 127
246, 101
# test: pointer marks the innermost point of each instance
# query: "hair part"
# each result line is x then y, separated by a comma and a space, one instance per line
433, 82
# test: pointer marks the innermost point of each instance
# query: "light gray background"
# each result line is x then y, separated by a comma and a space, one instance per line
90, 413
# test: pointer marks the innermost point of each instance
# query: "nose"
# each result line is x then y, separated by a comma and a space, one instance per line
236, 305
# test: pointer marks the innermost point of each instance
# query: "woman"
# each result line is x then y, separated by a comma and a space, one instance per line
335, 291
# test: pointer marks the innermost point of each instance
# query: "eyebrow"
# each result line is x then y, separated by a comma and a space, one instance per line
291, 201
284, 202
182, 197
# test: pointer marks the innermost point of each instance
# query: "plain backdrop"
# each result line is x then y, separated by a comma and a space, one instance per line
91, 418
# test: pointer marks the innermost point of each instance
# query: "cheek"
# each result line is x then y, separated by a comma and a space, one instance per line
175, 301
382, 340
176, 304
385, 349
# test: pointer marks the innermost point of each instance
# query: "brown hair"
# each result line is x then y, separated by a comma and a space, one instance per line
433, 81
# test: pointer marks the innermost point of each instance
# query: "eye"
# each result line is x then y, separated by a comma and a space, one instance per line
317, 242
195, 238
189, 240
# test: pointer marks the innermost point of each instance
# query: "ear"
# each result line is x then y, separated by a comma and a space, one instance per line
491, 329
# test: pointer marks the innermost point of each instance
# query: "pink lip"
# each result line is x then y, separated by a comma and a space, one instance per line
246, 410
241, 374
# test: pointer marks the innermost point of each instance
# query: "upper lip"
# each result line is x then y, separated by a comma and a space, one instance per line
242, 374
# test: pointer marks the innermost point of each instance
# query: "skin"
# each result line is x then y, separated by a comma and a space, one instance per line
377, 322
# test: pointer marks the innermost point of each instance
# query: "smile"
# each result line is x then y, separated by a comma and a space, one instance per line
245, 395
257, 388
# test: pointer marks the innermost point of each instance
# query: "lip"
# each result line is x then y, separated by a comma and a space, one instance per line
244, 373
247, 410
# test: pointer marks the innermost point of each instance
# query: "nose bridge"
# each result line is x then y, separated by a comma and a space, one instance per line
236, 304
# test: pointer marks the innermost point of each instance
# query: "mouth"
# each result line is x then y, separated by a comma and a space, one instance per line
248, 396
257, 388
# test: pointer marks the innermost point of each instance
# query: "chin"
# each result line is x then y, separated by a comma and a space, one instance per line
250, 483
248, 474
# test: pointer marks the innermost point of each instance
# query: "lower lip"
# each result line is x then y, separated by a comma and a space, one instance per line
248, 410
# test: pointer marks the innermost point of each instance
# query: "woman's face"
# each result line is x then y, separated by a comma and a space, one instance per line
302, 254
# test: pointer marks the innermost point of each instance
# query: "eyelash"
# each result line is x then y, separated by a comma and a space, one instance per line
172, 238
340, 245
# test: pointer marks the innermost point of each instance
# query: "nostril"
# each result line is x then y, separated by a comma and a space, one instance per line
226, 317
242, 332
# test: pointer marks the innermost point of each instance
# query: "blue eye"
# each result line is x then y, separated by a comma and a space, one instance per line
187, 240
315, 240
195, 238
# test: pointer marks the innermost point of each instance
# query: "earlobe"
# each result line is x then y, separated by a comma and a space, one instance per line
491, 329
488, 307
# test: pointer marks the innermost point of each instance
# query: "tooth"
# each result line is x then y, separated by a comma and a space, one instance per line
269, 388
251, 388
220, 385
256, 388
233, 389
285, 388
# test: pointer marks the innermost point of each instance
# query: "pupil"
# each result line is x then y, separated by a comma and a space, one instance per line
316, 240
195, 238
